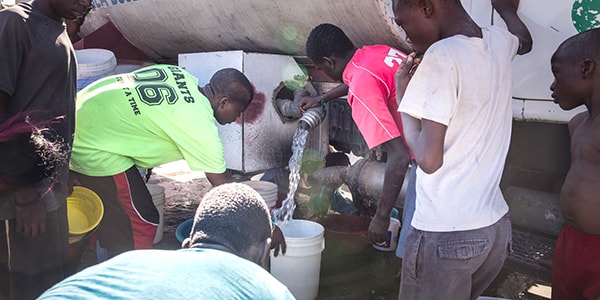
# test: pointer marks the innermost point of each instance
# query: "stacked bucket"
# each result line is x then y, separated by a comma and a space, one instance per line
266, 189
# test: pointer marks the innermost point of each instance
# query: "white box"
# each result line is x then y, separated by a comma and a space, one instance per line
259, 139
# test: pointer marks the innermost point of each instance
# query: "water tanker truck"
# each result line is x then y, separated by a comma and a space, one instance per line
265, 39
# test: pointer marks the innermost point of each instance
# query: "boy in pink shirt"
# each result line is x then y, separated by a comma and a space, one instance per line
368, 76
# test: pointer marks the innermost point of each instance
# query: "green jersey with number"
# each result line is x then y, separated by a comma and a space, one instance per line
146, 118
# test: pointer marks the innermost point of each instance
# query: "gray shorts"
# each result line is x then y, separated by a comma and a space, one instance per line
454, 265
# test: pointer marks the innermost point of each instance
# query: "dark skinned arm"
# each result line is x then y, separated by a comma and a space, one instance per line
507, 9
398, 159
219, 178
314, 101
30, 215
424, 137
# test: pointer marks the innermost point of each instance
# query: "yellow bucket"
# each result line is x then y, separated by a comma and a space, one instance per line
85, 210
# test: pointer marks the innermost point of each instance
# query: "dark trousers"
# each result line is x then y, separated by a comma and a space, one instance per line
31, 265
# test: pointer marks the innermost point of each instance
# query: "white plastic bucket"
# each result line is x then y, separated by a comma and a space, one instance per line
266, 189
299, 268
392, 234
158, 198
93, 64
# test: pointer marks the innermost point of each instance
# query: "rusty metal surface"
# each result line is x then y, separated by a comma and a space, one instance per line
259, 139
163, 29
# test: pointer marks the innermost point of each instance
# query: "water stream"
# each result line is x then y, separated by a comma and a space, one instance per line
308, 121
288, 205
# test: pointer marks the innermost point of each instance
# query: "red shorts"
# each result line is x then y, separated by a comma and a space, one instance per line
576, 265
130, 218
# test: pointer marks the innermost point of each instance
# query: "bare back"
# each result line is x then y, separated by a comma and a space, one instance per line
580, 194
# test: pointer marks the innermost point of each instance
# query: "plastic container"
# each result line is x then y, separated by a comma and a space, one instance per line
158, 198
300, 267
266, 189
84, 212
392, 233
184, 229
345, 234
93, 64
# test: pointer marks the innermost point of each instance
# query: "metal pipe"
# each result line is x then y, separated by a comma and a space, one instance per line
288, 108
312, 118
534, 210
364, 178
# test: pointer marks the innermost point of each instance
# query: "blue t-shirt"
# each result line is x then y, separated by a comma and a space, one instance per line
169, 274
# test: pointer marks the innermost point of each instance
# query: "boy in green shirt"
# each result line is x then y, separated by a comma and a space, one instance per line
143, 119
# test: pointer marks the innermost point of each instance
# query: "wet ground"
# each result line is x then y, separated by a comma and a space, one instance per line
364, 274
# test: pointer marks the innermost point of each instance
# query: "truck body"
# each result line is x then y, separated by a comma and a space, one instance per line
539, 153
172, 31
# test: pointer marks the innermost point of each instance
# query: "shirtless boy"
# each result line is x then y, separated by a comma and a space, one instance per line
576, 265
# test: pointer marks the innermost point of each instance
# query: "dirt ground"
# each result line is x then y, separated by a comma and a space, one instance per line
369, 274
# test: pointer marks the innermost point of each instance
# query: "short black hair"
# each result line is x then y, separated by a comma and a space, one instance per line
233, 84
585, 44
31, 150
233, 215
327, 40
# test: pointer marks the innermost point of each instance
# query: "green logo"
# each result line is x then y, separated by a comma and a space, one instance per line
586, 14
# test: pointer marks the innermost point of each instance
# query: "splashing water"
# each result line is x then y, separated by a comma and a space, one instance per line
309, 120
287, 207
